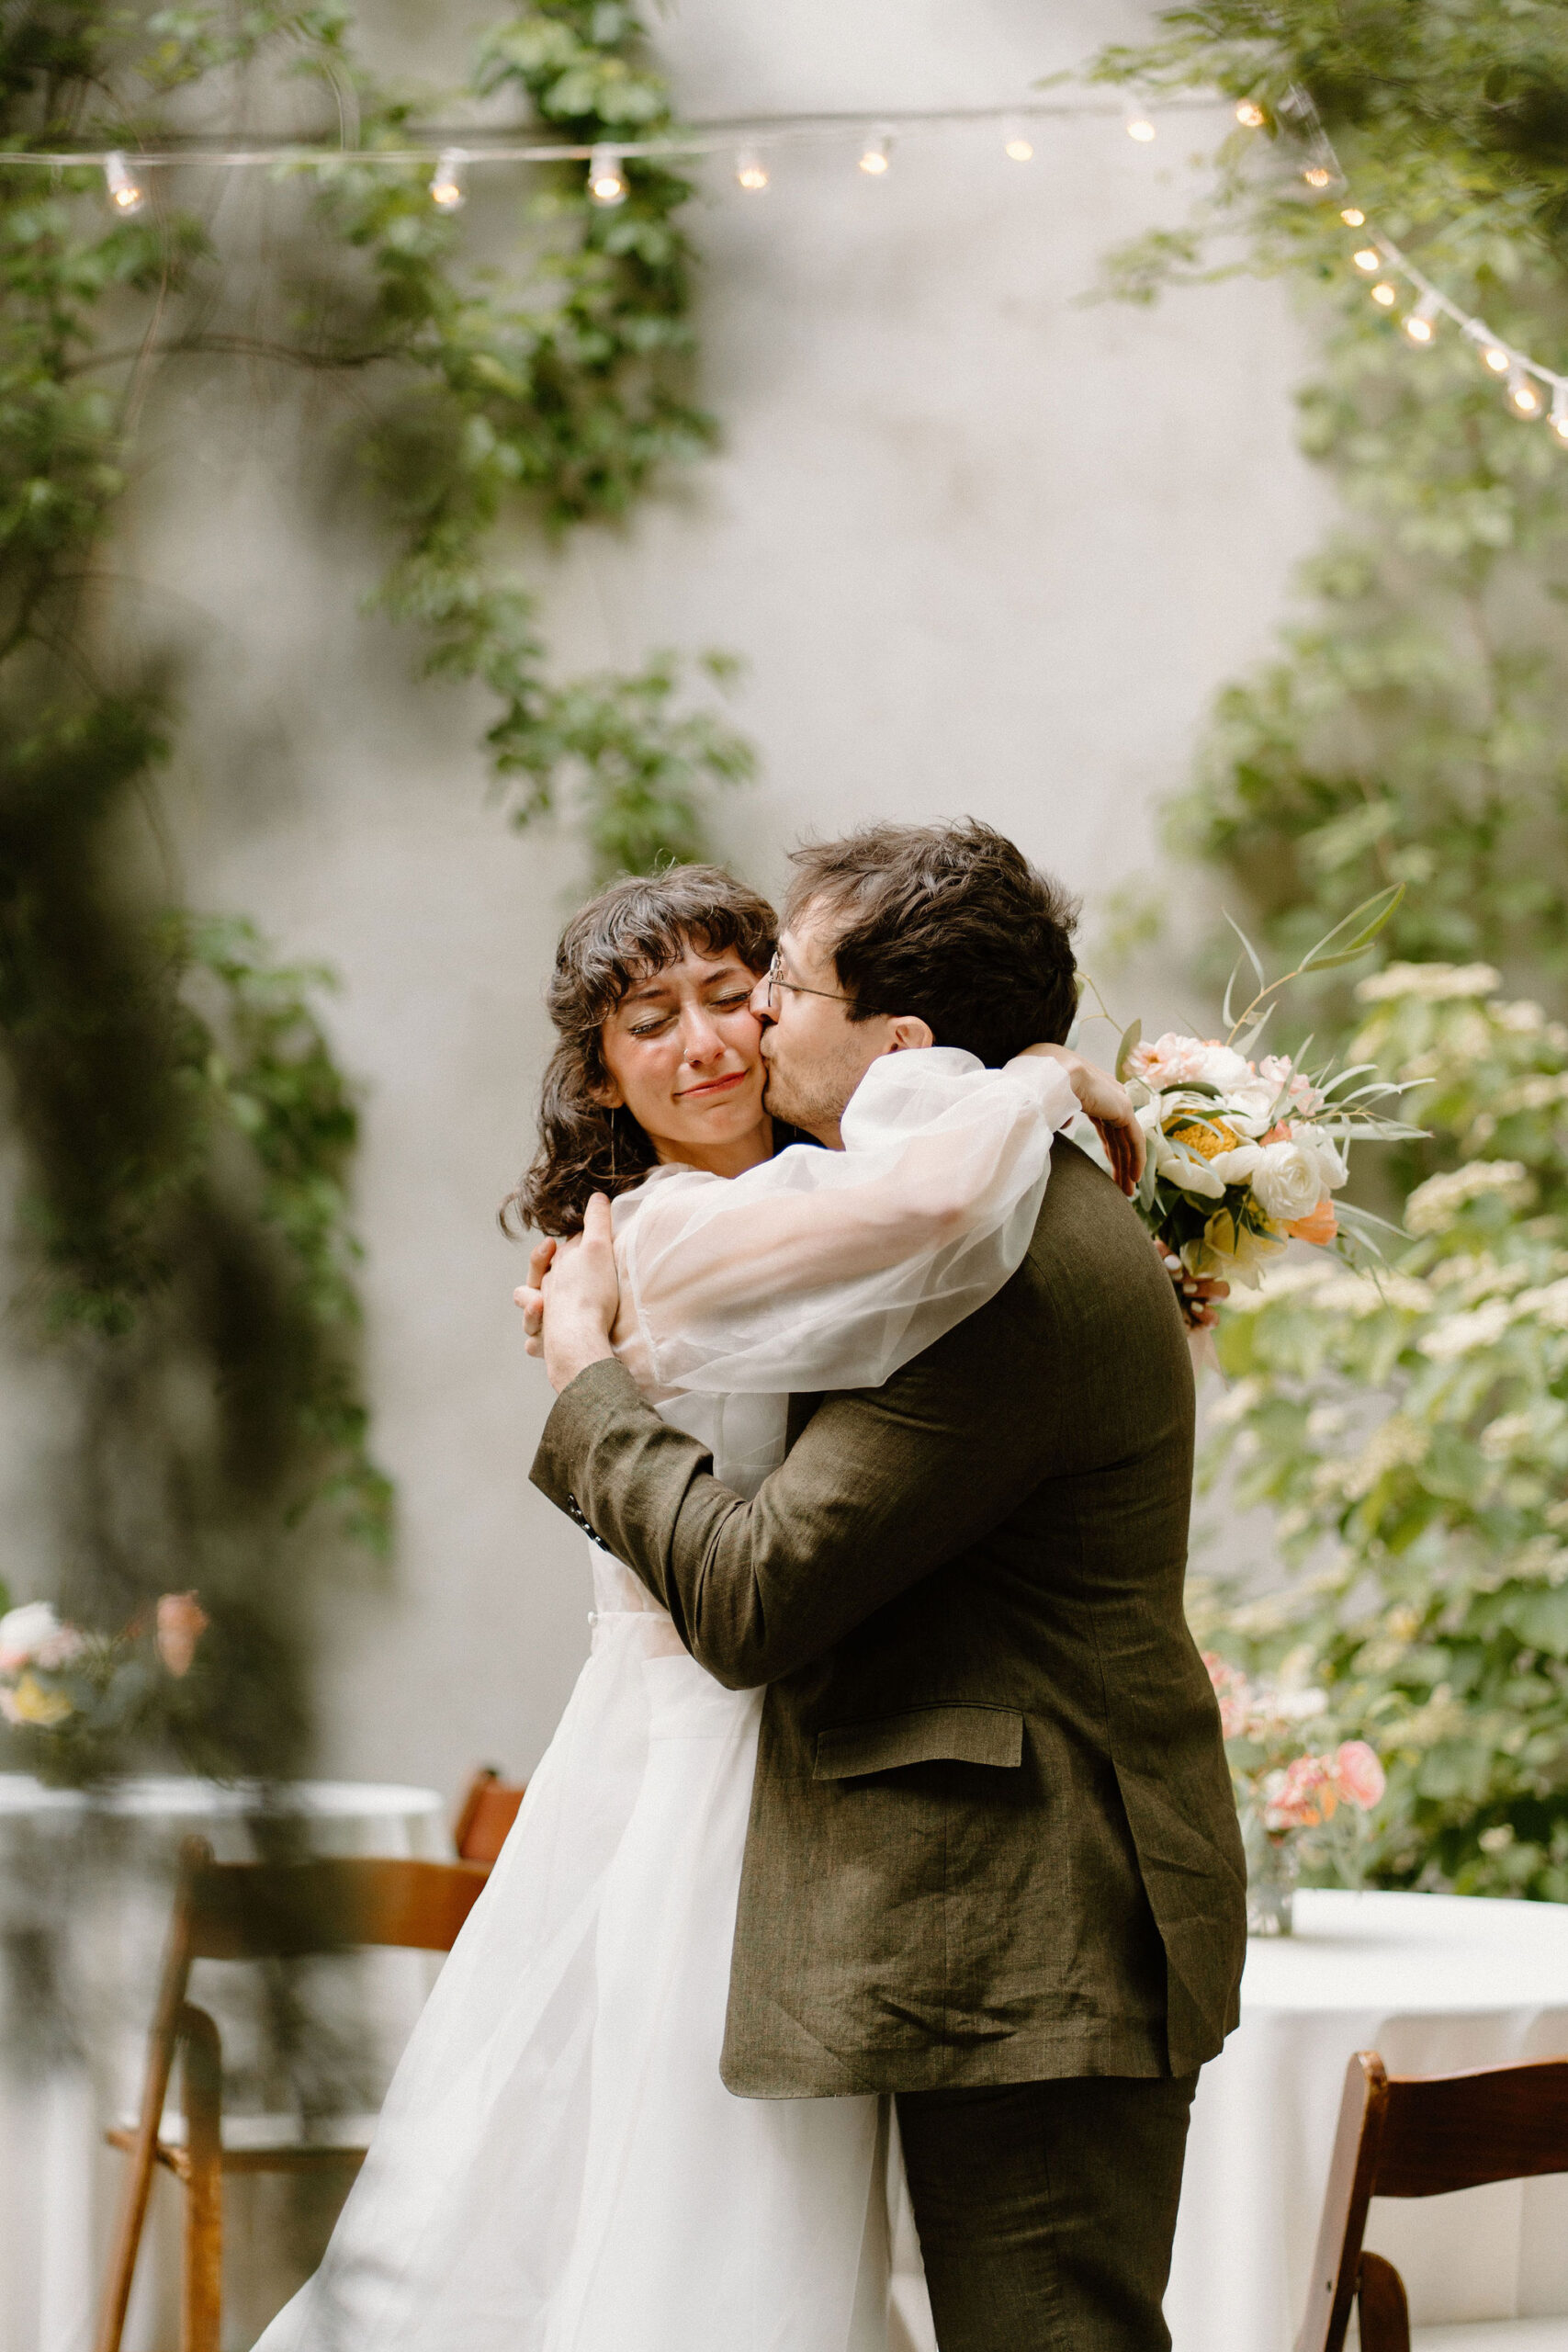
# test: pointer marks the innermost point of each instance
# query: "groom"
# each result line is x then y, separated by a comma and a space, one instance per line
993, 1864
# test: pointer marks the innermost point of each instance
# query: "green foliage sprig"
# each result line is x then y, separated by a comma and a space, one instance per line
556, 393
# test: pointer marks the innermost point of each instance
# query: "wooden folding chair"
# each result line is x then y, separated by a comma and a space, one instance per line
253, 1911
1420, 2135
487, 1813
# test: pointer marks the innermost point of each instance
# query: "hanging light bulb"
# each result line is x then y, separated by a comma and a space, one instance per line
1559, 409
1353, 217
607, 181
447, 189
1250, 114
1316, 176
1140, 128
751, 171
1384, 295
1017, 146
1523, 394
1419, 327
126, 191
1493, 356
877, 155
1367, 258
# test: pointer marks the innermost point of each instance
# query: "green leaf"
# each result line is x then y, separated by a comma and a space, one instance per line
1131, 1037
1354, 932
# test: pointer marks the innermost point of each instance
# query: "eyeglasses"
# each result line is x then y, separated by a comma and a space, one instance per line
776, 981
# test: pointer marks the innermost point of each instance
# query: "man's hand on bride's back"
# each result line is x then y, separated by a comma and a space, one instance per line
571, 1297
1105, 1102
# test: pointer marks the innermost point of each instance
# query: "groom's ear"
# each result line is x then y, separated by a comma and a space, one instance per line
907, 1032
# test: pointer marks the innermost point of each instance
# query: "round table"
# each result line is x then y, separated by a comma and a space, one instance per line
85, 1887
1436, 1984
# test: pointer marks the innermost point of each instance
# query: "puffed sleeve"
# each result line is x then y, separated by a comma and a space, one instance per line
830, 1269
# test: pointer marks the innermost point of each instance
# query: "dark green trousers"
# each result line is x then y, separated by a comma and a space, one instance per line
1046, 2210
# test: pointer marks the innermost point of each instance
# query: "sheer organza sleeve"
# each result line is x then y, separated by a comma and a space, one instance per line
830, 1269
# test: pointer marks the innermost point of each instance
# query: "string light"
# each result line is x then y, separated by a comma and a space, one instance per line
607, 181
751, 171
875, 155
1523, 396
1419, 325
1250, 114
126, 191
1017, 147
1315, 175
1526, 380
447, 189
1140, 128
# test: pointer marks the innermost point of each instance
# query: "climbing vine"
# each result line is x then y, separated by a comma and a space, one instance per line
183, 1134
1410, 1431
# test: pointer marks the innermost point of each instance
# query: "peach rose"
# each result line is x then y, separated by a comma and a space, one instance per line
181, 1620
1319, 1227
1358, 1775
1300, 1796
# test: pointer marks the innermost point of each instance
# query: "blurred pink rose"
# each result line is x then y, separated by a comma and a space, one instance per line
1300, 1795
1359, 1777
181, 1620
1232, 1691
1282, 1072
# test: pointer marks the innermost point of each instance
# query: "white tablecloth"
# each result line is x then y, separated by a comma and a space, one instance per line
1436, 1984
84, 1897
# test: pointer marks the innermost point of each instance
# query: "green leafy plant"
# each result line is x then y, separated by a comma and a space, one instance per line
185, 1133
1409, 1429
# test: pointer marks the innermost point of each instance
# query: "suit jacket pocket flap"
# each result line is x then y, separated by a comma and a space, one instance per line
923, 1736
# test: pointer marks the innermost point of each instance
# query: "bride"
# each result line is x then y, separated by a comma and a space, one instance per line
558, 2166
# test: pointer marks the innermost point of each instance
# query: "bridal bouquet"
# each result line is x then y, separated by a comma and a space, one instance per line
1246, 1155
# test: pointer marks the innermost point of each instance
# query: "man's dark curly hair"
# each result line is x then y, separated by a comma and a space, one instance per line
950, 923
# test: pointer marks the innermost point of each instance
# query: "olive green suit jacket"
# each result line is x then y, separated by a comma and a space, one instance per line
992, 1835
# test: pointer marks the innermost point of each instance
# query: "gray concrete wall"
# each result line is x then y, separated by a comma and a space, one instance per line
982, 549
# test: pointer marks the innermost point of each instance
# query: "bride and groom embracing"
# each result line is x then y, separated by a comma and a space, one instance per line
887, 1835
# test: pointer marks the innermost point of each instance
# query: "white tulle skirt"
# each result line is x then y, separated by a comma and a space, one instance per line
558, 2166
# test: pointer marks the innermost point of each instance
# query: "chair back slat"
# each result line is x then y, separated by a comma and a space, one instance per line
1449, 2131
485, 1818
286, 1910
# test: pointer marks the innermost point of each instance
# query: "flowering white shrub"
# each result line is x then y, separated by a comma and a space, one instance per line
1409, 1428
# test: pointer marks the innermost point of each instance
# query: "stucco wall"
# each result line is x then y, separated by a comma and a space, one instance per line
981, 549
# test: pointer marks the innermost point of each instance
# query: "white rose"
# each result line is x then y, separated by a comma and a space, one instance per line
1286, 1183
1220, 1066
33, 1636
1237, 1167
1332, 1170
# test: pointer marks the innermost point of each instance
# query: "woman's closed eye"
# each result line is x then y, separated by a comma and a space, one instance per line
730, 1003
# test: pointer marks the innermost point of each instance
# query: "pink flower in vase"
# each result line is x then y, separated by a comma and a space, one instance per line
1358, 1775
1300, 1795
181, 1620
1233, 1693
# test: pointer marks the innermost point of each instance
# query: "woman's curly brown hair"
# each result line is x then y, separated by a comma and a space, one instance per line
632, 929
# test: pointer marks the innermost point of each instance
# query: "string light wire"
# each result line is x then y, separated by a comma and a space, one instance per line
430, 143
1380, 256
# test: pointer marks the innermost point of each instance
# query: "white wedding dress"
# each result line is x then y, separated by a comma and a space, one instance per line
558, 2166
